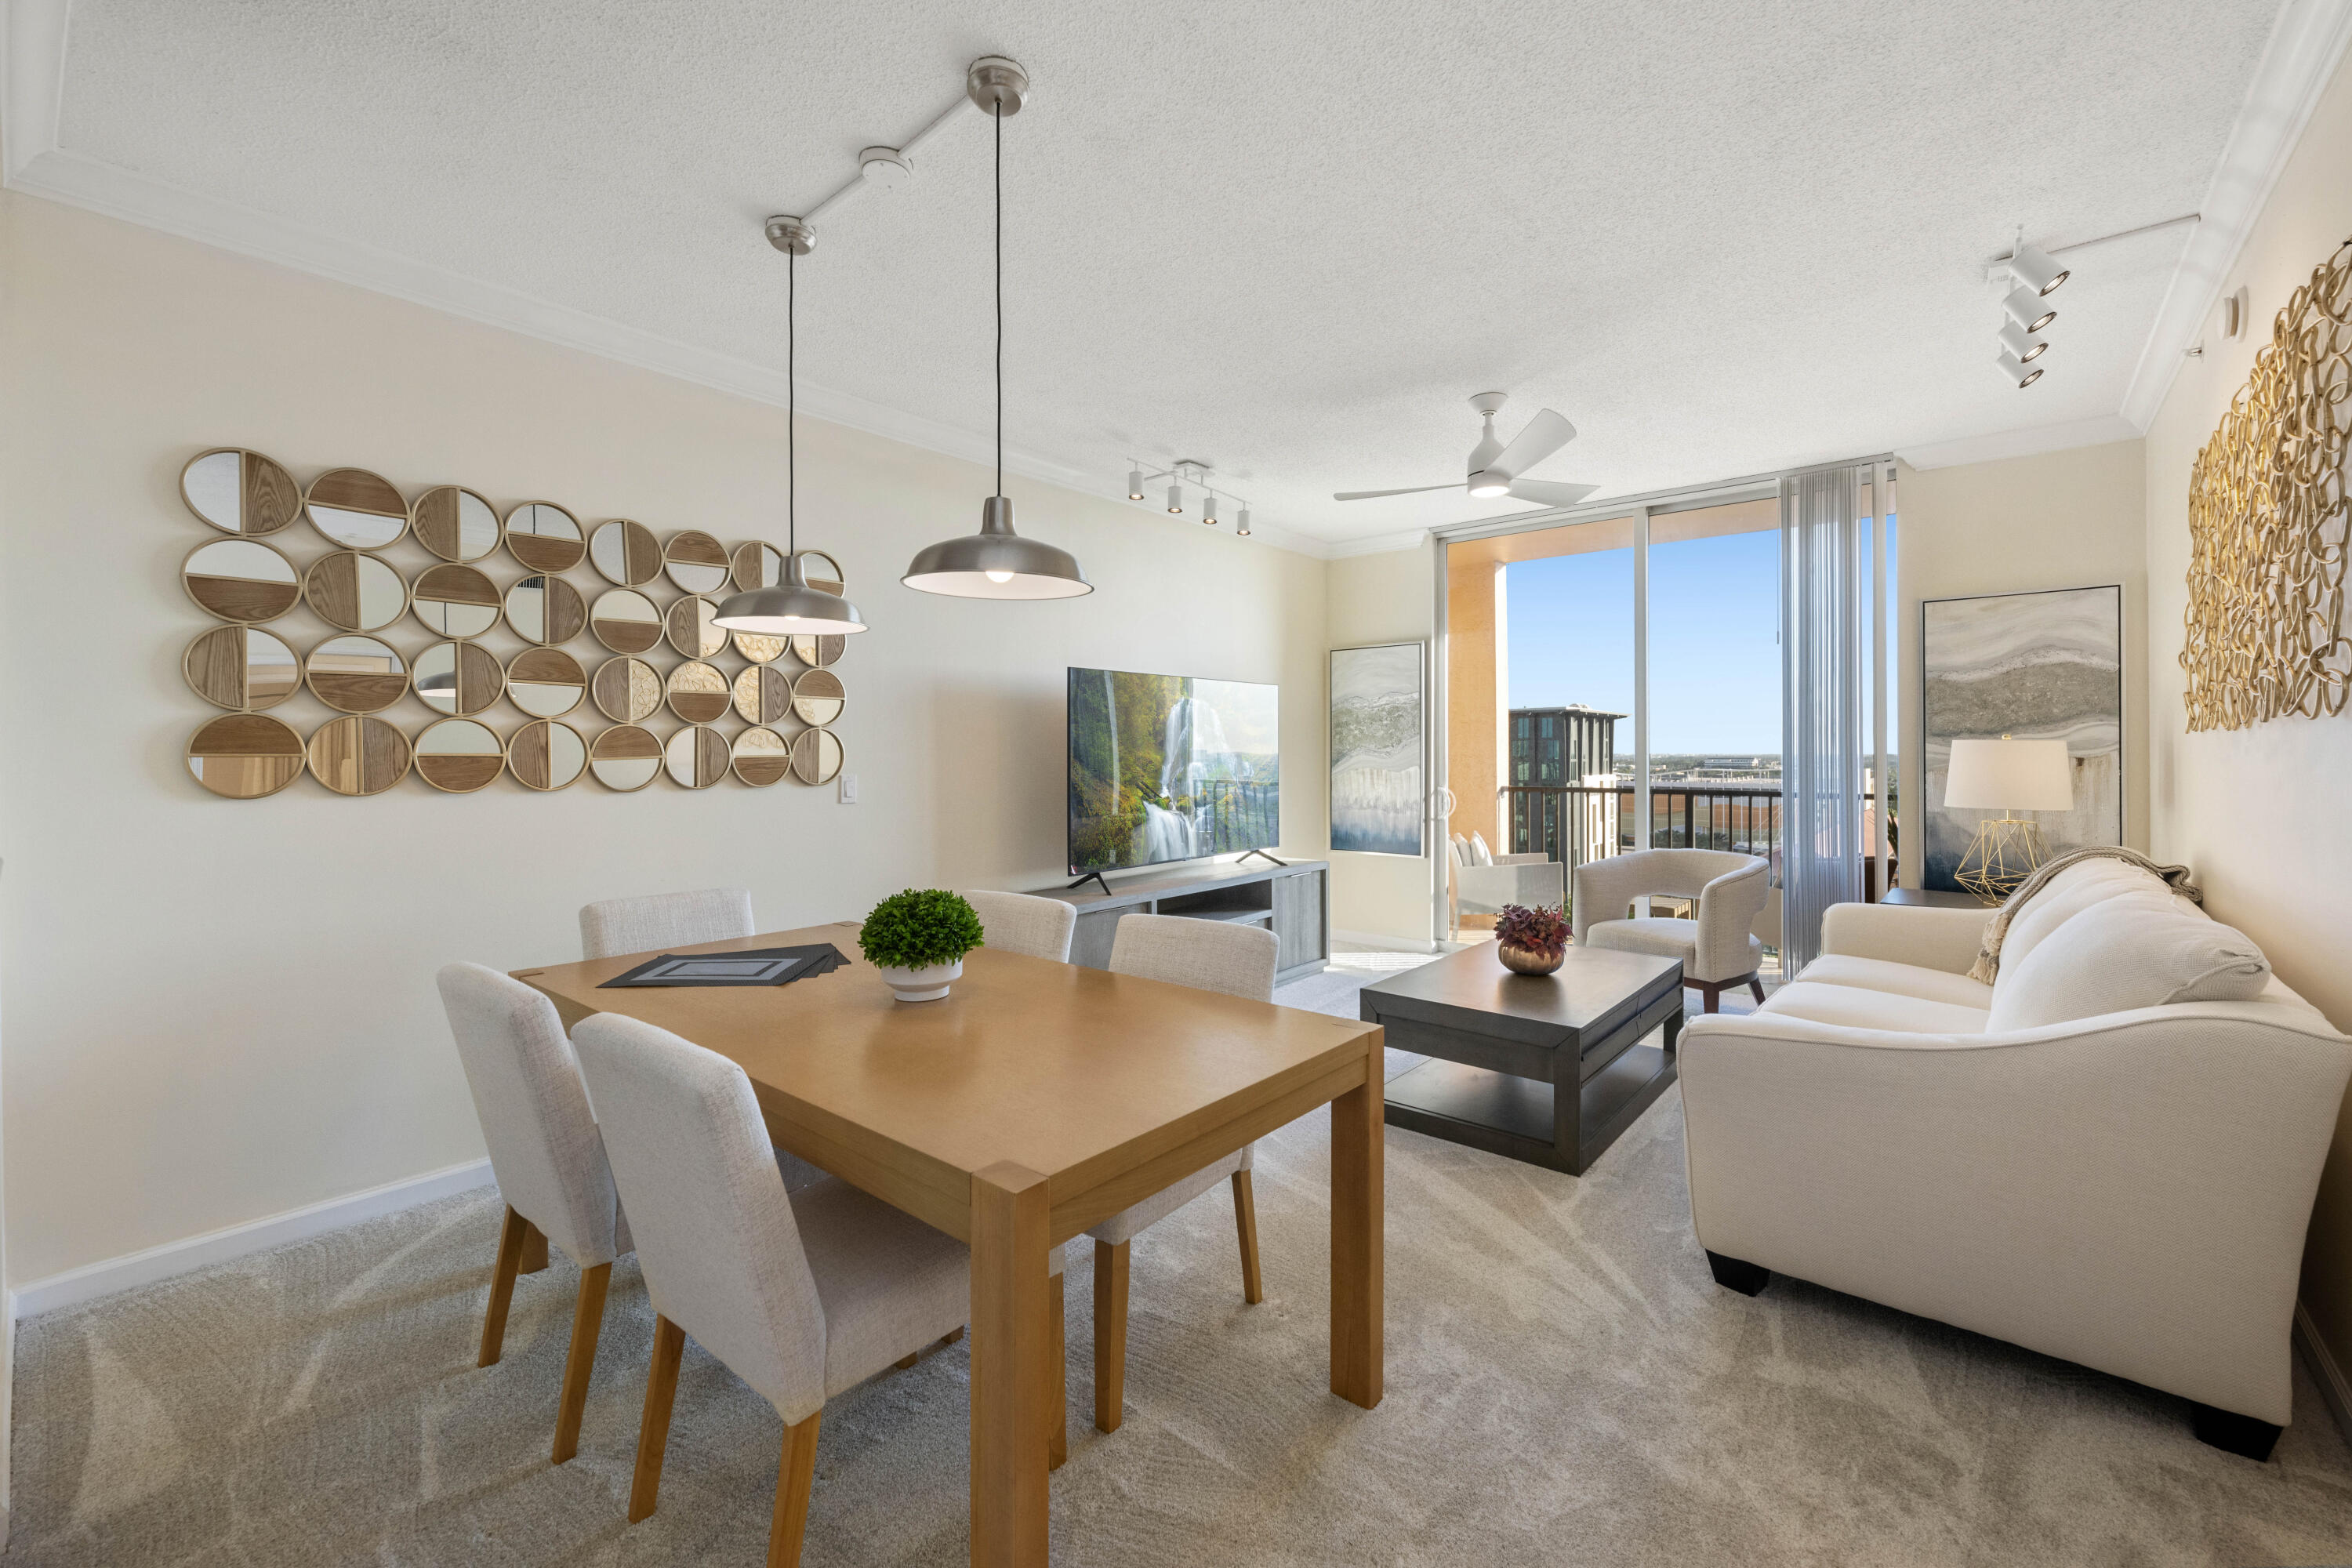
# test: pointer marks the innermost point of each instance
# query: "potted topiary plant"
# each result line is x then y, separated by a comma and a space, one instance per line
917, 939
1531, 941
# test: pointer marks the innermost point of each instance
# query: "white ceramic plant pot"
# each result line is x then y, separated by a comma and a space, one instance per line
926, 984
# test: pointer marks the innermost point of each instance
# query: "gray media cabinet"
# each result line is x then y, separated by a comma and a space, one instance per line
1293, 901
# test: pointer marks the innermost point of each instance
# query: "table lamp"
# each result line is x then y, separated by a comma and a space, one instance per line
2006, 776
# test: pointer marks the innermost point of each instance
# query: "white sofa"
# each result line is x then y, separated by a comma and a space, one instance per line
2128, 1190
1483, 881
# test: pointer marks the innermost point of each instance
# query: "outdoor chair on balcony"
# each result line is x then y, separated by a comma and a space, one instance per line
1485, 882
1719, 950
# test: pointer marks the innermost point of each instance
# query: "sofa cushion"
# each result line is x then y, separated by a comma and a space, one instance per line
2138, 950
1855, 1008
1902, 979
1479, 854
2066, 895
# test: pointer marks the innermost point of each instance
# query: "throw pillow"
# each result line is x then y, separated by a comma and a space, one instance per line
1479, 854
2066, 895
2133, 950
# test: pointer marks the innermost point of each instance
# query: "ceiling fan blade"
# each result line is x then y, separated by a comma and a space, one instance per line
1372, 495
1545, 434
1551, 493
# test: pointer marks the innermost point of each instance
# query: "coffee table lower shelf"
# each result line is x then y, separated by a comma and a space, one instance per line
1519, 1118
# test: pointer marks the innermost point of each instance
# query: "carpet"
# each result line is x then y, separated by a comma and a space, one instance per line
1565, 1385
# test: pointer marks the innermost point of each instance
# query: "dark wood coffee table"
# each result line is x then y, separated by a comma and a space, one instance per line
1546, 1068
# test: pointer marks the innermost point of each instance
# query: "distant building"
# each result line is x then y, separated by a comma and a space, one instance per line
1561, 745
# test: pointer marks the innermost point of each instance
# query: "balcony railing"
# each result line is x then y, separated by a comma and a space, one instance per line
1573, 823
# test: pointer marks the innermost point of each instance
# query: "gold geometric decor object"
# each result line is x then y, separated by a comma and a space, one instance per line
2005, 851
2267, 525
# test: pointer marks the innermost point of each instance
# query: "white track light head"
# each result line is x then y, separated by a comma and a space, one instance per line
1209, 510
2035, 270
1241, 524
1135, 484
1176, 499
2026, 309
2018, 371
2014, 338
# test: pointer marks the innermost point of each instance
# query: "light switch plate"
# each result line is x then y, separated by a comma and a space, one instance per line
849, 789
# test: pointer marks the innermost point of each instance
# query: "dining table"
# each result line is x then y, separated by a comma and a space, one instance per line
1035, 1100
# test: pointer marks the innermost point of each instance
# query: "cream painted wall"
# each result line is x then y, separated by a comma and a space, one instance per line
2075, 518
218, 1011
1386, 597
2260, 812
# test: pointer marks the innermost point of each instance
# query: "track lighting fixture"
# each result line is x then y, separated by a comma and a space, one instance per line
2026, 309
2018, 371
1209, 510
2014, 338
1188, 471
1176, 500
1240, 523
1135, 484
2035, 270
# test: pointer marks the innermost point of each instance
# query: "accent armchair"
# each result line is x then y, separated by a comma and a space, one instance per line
1719, 949
1485, 882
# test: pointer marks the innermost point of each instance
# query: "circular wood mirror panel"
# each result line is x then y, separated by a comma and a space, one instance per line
820, 652
761, 756
354, 592
459, 755
241, 580
456, 524
763, 695
822, 573
625, 758
456, 601
817, 756
756, 564
690, 628
544, 537
353, 674
696, 562
547, 755
355, 508
696, 756
817, 697
457, 679
242, 667
627, 690
626, 621
244, 756
760, 648
545, 610
698, 693
625, 552
359, 755
238, 491
546, 682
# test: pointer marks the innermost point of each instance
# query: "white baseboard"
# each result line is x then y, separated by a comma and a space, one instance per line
1383, 941
90, 1281
2333, 1387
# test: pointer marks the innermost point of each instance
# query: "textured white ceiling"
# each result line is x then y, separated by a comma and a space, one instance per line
1721, 237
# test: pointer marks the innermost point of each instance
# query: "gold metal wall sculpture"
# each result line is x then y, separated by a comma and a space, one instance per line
2267, 521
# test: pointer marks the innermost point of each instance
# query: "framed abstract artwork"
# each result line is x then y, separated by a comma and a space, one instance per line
1379, 748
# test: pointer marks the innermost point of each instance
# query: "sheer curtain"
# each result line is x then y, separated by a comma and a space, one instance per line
1822, 672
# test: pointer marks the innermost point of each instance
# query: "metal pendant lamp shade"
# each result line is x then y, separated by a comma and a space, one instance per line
792, 607
996, 562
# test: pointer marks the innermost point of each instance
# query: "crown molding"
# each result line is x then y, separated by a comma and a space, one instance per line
1377, 545
2030, 441
2298, 63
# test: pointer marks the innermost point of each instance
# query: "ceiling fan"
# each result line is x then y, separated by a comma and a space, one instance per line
1494, 469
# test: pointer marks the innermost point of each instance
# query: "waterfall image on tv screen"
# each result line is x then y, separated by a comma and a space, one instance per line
1171, 767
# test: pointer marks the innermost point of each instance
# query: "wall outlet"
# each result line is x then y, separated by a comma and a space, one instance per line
849, 789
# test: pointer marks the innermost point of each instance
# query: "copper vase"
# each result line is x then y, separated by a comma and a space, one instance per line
1527, 961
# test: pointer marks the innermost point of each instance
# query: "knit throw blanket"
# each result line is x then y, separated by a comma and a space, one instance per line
1988, 964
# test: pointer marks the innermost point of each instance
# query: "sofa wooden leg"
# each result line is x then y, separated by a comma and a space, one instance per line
1733, 1273
2233, 1432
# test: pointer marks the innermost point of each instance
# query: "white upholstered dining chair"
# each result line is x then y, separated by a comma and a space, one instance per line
548, 1156
615, 926
1718, 946
1025, 923
802, 1296
1210, 955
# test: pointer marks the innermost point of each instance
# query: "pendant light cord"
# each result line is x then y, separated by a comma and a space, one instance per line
792, 407
996, 113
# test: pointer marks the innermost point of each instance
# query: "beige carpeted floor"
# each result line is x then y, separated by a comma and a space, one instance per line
1565, 1385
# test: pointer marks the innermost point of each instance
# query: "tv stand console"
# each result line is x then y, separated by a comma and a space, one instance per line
1293, 900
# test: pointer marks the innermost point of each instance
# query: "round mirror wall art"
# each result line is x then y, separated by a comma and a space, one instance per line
819, 653
240, 580
547, 755
760, 648
756, 565
545, 610
627, 690
356, 674
238, 491
459, 755
459, 678
761, 756
456, 601
244, 756
353, 592
355, 508
695, 562
690, 629
696, 757
625, 758
359, 755
243, 669
817, 756
817, 697
546, 682
544, 537
698, 693
625, 552
822, 574
456, 524
626, 621
763, 695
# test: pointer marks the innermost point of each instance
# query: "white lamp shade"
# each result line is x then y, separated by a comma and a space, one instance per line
2009, 775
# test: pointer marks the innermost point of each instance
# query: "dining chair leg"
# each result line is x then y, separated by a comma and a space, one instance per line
1058, 1429
503, 1279
653, 1432
795, 1474
587, 1323
1110, 1334
534, 1248
1246, 1221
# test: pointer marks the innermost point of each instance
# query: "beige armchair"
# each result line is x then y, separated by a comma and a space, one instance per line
1719, 949
1484, 887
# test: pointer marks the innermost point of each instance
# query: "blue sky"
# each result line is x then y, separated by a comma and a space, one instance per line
1715, 649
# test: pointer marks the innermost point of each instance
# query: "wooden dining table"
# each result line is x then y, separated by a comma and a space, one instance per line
1036, 1100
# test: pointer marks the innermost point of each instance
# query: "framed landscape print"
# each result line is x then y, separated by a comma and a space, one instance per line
1378, 748
2037, 665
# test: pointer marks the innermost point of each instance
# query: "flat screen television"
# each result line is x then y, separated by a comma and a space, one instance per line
1171, 767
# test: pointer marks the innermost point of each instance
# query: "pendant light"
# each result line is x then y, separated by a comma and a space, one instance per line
996, 562
790, 608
